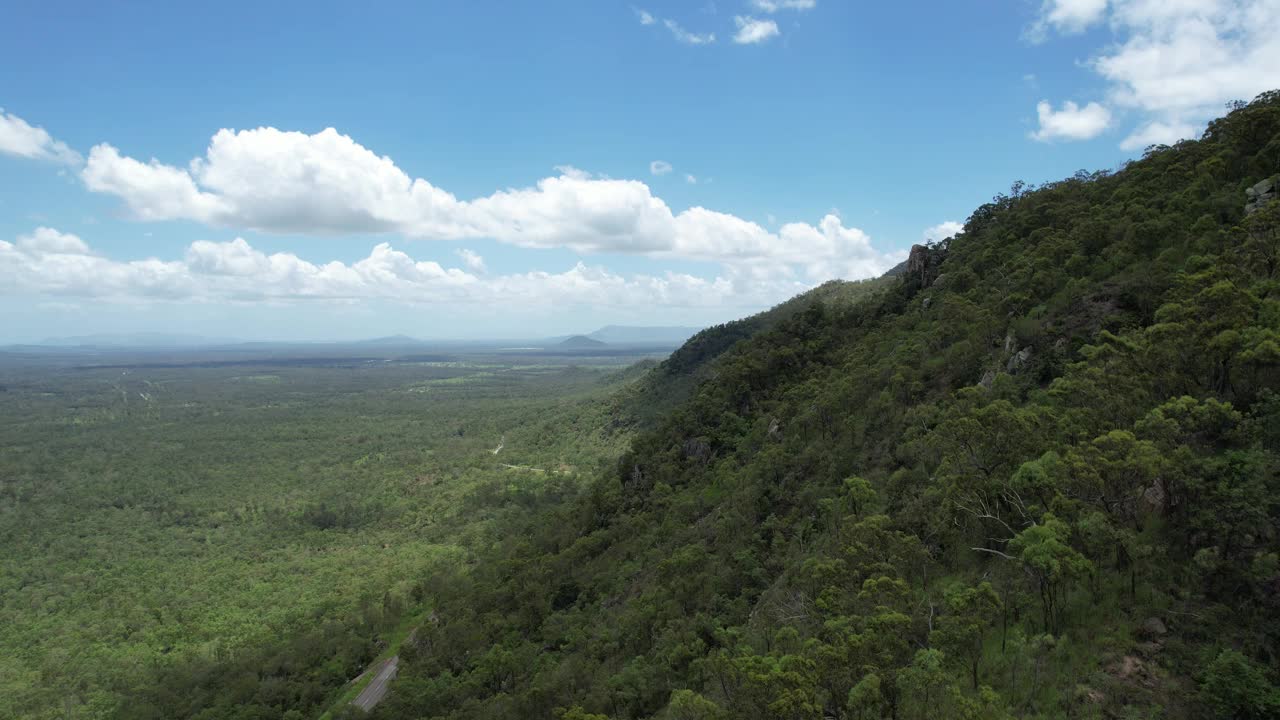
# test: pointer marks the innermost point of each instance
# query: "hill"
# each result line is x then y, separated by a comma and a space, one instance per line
1033, 475
579, 342
390, 341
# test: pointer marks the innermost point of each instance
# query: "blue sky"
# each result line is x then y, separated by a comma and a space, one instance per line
503, 169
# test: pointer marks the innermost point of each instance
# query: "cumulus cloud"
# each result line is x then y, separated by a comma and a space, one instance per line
1072, 122
659, 167
473, 261
942, 231
773, 6
1174, 63
17, 137
686, 37
644, 17
752, 30
1067, 16
691, 179
328, 184
51, 263
1158, 133
47, 241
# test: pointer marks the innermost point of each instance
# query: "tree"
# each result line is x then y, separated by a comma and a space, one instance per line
961, 631
1235, 688
1051, 562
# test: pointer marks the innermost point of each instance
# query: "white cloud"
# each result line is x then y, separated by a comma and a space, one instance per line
752, 30
1158, 133
659, 167
686, 37
1067, 17
473, 261
47, 241
942, 230
772, 6
691, 179
1072, 122
644, 17
49, 263
572, 172
21, 139
152, 190
1175, 63
327, 184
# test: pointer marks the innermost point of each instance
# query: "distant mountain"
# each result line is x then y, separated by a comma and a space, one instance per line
643, 335
145, 339
390, 340
580, 342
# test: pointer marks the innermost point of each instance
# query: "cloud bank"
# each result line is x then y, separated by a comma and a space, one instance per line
53, 263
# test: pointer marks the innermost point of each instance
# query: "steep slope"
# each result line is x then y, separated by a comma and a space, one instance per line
1036, 476
694, 361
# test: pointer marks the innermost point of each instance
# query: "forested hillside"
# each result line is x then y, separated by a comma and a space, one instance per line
1035, 476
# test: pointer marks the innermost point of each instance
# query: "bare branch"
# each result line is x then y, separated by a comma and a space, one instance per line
995, 552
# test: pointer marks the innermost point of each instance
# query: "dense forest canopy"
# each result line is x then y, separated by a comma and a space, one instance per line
1033, 475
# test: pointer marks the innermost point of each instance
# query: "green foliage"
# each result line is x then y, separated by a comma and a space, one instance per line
826, 515
1052, 490
192, 541
1235, 687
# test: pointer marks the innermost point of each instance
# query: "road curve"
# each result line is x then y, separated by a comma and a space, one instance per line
377, 688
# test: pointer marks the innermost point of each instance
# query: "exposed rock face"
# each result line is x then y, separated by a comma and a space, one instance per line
923, 264
1256, 196
926, 303
1019, 361
636, 481
1153, 498
696, 448
918, 260
988, 379
775, 429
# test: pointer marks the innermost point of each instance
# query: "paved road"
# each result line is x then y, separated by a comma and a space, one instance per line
377, 688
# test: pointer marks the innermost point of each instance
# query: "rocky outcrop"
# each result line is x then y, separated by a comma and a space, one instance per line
923, 264
988, 379
697, 449
1019, 360
1155, 497
775, 429
918, 261
1154, 628
1258, 195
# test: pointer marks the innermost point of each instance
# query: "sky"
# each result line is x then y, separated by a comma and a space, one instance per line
483, 169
